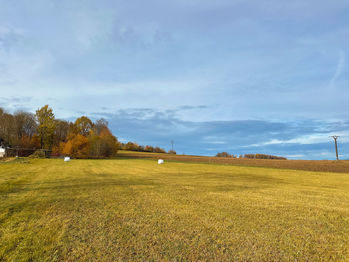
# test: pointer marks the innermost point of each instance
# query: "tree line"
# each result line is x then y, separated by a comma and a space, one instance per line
26, 132
133, 146
250, 156
43, 131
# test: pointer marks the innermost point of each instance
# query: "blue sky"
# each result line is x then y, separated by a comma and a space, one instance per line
231, 75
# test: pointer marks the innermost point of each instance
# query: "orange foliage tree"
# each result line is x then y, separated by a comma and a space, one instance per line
77, 146
88, 140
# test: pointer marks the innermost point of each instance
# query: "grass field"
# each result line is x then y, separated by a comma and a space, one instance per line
136, 210
341, 166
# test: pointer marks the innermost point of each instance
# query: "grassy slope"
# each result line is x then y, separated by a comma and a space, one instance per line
107, 210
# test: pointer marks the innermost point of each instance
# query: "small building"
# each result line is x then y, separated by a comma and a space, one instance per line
2, 152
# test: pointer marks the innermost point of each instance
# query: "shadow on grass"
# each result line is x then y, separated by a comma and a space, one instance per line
79, 184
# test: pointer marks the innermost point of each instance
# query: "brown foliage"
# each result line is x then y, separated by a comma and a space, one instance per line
35, 141
77, 146
83, 126
46, 127
223, 154
89, 142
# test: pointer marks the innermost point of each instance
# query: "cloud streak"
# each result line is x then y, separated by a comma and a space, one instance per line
339, 69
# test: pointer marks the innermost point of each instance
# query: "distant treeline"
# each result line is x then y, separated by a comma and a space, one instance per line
250, 156
25, 133
132, 146
262, 156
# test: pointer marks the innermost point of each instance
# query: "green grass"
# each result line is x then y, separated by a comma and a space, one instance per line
110, 210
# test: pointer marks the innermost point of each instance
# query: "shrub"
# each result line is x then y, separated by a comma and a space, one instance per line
38, 154
223, 154
263, 156
159, 150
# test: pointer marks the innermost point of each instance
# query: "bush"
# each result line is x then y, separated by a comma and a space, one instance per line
38, 154
172, 152
159, 150
223, 154
262, 156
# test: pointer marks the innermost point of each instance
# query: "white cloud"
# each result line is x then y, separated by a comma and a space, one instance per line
295, 156
306, 139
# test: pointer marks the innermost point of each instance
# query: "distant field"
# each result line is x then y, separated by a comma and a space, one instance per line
137, 210
341, 166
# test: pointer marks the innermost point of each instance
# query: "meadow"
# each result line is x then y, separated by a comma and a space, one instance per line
340, 166
136, 210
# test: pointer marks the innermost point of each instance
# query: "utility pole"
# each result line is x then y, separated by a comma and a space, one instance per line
335, 144
172, 144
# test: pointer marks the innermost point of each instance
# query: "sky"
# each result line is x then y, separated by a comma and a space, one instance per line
242, 76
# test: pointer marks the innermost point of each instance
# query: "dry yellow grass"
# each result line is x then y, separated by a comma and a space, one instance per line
137, 210
341, 166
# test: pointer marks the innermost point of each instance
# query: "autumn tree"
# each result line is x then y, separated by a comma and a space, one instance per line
148, 148
62, 129
35, 141
159, 150
223, 154
46, 126
89, 140
83, 125
109, 143
101, 141
8, 128
25, 125
100, 125
77, 146
131, 146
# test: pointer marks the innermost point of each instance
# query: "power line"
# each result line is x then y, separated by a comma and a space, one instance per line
335, 144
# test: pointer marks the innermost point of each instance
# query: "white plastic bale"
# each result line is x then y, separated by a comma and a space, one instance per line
160, 161
2, 152
67, 159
